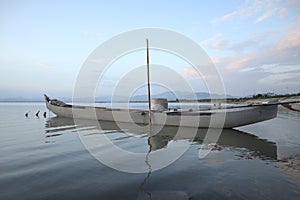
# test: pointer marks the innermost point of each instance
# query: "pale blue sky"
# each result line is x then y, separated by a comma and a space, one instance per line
254, 44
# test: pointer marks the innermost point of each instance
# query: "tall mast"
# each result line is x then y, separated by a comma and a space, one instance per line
148, 78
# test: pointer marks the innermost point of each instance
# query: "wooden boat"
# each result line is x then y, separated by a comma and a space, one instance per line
214, 118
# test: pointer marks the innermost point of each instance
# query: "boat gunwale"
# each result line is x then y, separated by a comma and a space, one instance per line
168, 112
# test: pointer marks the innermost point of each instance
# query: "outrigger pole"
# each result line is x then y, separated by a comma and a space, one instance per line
148, 78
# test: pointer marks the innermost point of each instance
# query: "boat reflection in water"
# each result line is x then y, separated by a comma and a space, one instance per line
229, 138
249, 146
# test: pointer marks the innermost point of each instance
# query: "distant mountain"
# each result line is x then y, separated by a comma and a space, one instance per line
168, 95
206, 95
182, 95
109, 98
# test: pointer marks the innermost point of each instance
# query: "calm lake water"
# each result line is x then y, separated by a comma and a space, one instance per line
44, 158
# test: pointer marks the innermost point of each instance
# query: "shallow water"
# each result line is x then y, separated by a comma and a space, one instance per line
44, 158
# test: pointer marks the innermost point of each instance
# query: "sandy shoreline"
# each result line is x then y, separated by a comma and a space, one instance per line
281, 99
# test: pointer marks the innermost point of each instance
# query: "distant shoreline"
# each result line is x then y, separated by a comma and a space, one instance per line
254, 98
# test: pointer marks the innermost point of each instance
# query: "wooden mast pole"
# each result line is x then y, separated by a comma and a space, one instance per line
148, 79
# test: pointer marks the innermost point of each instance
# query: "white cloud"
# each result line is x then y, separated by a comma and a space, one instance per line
280, 78
279, 69
216, 60
260, 9
294, 3
251, 43
292, 39
282, 12
238, 63
222, 44
282, 52
265, 16
190, 73
229, 16
215, 42
225, 17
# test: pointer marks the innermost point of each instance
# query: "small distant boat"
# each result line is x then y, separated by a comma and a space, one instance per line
158, 113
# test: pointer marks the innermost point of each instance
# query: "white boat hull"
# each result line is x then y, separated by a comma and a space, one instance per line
219, 118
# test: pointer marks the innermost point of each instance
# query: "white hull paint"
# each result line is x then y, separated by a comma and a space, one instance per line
232, 117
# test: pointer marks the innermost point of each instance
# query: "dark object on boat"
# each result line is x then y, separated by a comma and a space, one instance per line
292, 106
26, 114
37, 114
45, 114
